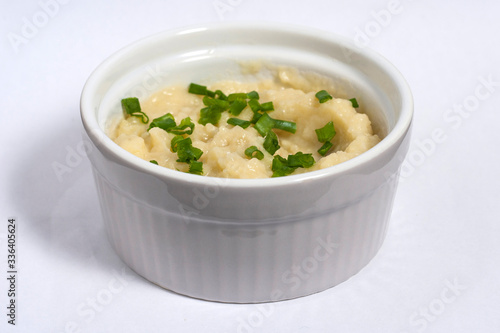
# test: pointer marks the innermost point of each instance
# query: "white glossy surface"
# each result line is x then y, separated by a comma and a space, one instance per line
234, 240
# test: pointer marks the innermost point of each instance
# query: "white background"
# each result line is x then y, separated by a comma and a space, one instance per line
438, 270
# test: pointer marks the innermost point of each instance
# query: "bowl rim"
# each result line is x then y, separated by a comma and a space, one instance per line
107, 146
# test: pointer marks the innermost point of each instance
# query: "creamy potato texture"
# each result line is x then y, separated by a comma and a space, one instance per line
224, 145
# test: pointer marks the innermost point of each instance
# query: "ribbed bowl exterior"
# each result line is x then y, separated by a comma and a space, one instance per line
240, 262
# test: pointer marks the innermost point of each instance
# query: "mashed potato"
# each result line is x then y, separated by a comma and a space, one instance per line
223, 145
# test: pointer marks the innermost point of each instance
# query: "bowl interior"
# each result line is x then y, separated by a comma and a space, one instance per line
206, 54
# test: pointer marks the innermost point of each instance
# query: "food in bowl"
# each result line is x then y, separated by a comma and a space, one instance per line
274, 125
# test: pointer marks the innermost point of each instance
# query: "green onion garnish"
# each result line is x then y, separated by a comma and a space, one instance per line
300, 160
185, 123
256, 117
235, 96
198, 89
268, 106
264, 124
283, 167
239, 122
253, 95
237, 106
326, 133
174, 141
323, 96
210, 114
196, 167
186, 152
132, 107
254, 105
271, 144
167, 123
280, 167
253, 151
354, 103
325, 148
220, 95
284, 125
154, 162
219, 103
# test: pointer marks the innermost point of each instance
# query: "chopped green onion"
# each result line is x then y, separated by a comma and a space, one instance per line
237, 106
354, 103
283, 167
253, 95
220, 95
256, 117
175, 140
325, 148
271, 144
264, 124
167, 123
236, 96
326, 133
222, 104
185, 123
268, 106
197, 89
154, 162
238, 122
196, 167
132, 107
186, 152
210, 114
254, 105
323, 96
284, 125
253, 151
300, 160
280, 167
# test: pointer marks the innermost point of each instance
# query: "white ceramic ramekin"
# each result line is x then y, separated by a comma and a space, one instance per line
240, 240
